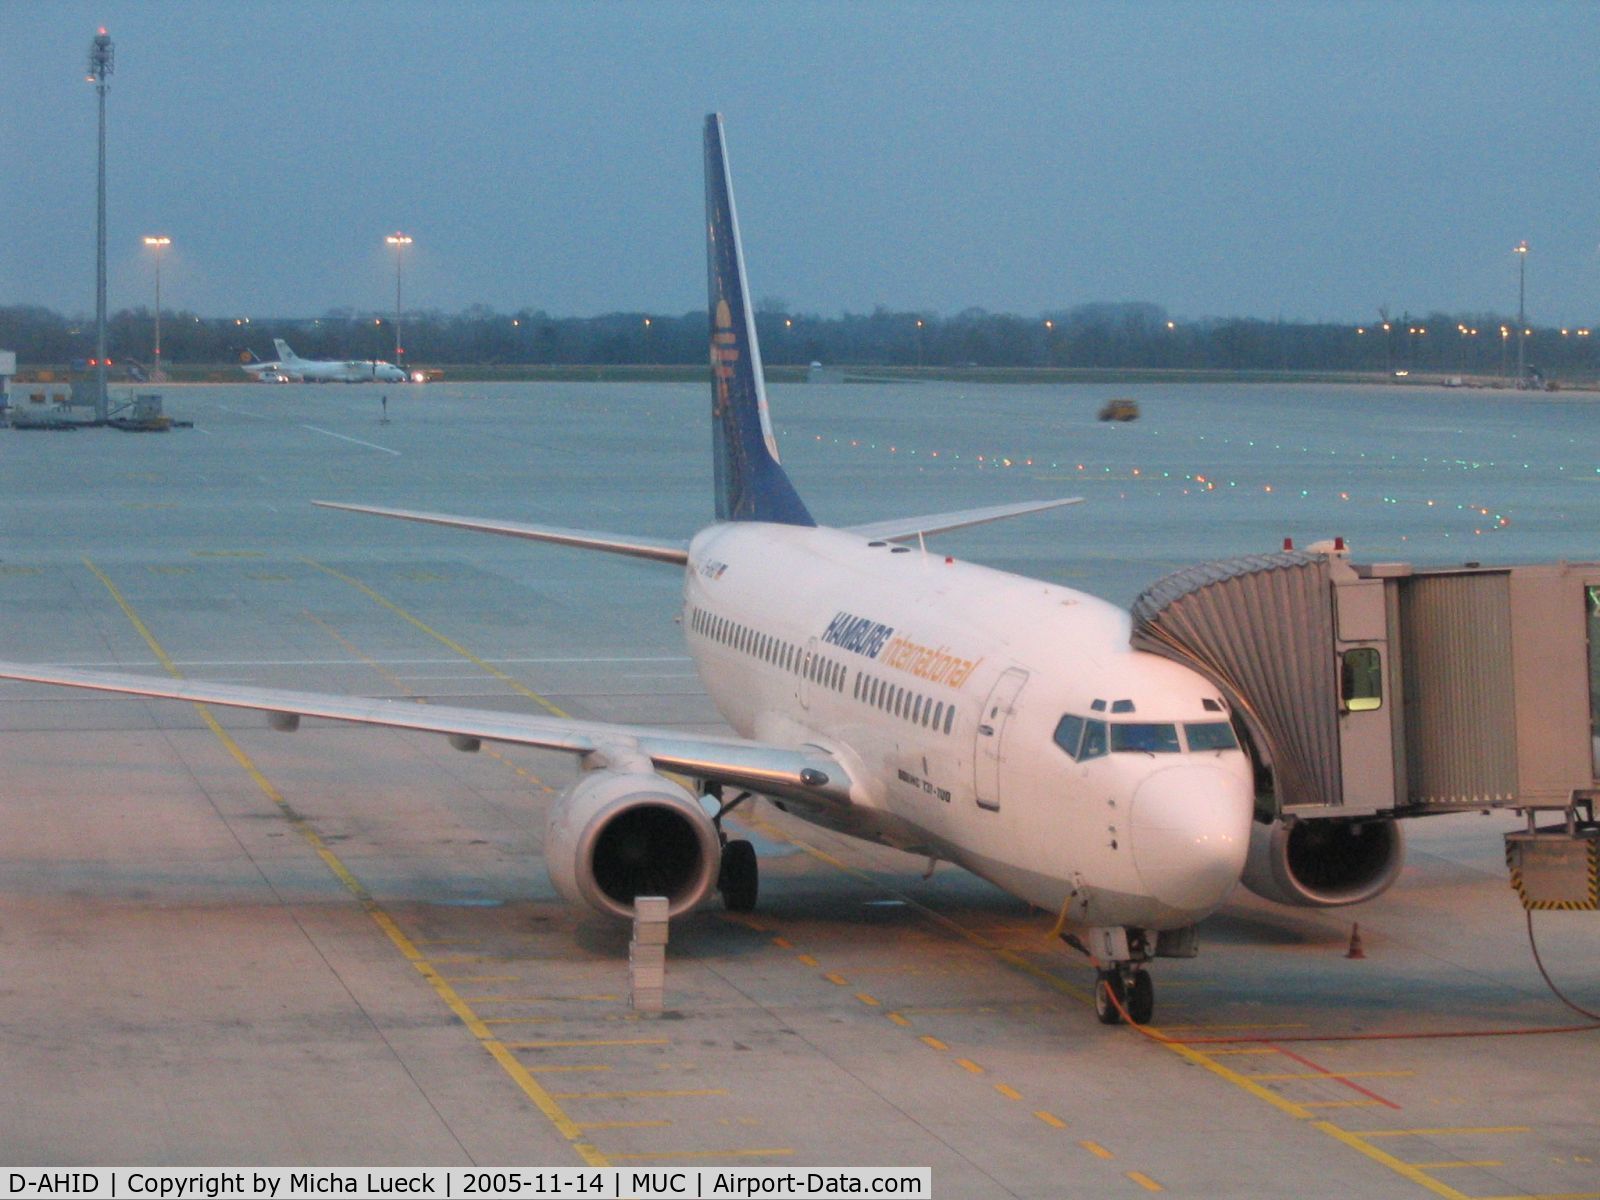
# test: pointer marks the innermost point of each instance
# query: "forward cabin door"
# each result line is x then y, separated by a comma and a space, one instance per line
990, 747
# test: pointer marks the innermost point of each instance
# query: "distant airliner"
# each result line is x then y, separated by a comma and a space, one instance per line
896, 695
290, 367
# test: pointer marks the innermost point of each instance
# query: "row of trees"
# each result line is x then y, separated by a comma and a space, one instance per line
1104, 336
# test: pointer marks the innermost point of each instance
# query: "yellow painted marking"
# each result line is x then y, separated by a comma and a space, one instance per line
1468, 1130
899, 1020
1144, 1181
554, 1044
929, 1040
809, 961
522, 1020
1226, 1052
569, 1069
871, 1001
659, 1094
1173, 1029
1096, 1149
1444, 1166
597, 999
966, 1064
777, 1152
1240, 1081
1050, 1119
530, 1086
516, 685
1335, 1075
783, 943
837, 979
1009, 1092
1400, 1167
623, 1124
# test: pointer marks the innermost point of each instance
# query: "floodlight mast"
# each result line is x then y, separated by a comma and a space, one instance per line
102, 61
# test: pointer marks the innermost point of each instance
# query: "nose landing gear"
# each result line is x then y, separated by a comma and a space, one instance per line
1124, 988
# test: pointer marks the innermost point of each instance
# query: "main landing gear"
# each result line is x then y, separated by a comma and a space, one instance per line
739, 880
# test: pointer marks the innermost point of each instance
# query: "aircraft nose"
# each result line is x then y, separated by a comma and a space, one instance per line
1191, 833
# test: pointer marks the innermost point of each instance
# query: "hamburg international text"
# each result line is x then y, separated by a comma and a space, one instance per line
610, 1183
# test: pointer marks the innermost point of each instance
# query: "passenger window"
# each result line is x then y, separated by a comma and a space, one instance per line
1210, 735
1144, 739
1094, 741
1361, 679
1069, 732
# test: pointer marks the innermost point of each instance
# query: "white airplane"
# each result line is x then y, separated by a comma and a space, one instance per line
957, 712
290, 367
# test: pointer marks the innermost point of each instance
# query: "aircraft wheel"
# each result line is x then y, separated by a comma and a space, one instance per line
1108, 984
1141, 998
740, 879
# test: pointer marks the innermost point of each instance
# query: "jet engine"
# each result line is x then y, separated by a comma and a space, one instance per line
612, 836
1323, 862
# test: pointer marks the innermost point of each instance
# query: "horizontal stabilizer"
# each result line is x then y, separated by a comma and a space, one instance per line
614, 543
904, 528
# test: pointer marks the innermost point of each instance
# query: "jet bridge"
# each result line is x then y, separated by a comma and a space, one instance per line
1372, 691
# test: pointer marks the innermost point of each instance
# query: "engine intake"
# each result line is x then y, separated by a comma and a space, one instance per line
613, 836
1324, 862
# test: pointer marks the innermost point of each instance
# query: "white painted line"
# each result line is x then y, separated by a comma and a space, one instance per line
357, 441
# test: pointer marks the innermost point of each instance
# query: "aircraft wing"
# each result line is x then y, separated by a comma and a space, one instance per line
905, 528
808, 775
617, 543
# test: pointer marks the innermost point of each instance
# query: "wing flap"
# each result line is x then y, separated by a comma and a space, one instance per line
806, 774
904, 528
660, 550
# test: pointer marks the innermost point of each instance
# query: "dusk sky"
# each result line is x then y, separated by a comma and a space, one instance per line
1309, 161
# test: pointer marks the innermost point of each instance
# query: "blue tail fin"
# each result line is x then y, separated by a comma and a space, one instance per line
751, 483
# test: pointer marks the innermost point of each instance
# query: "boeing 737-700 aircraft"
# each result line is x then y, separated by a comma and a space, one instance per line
958, 712
290, 367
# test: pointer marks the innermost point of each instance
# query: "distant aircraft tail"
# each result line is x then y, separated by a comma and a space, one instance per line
284, 353
751, 484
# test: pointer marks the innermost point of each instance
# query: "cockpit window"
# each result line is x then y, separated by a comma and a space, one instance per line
1068, 734
1146, 739
1094, 741
1210, 735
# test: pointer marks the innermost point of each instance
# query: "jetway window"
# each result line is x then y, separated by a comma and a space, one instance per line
1211, 735
1361, 679
1144, 739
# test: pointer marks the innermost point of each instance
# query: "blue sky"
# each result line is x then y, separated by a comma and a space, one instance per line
1310, 161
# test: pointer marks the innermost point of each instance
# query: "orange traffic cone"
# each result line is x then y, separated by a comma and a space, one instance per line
1355, 950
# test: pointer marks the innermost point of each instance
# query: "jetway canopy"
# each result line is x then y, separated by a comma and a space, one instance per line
1388, 688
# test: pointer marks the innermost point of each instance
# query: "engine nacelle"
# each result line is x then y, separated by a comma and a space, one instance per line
1324, 862
615, 835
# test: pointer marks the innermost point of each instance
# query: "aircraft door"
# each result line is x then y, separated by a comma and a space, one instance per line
804, 681
990, 738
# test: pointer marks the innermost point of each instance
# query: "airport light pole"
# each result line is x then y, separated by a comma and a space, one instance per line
102, 61
399, 241
158, 244
1522, 320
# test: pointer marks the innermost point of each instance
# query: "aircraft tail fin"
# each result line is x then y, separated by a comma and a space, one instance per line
751, 483
284, 353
